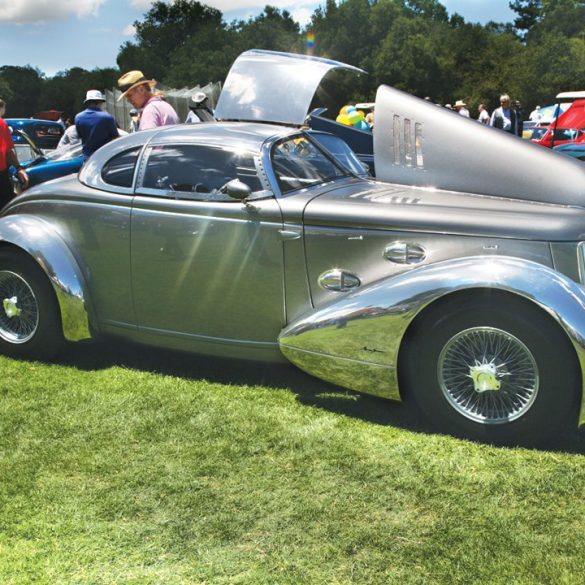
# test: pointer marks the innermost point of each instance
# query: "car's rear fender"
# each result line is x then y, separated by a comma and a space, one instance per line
34, 237
355, 341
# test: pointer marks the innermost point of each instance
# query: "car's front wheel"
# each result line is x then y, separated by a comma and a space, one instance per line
30, 324
494, 369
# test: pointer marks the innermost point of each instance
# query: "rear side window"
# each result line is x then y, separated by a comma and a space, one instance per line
119, 170
198, 172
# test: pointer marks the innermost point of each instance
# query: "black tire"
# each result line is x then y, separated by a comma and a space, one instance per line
494, 368
30, 321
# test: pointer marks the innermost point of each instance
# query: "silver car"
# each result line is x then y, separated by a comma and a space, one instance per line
455, 280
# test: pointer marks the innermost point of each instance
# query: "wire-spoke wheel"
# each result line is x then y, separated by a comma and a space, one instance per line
488, 375
30, 323
494, 368
19, 314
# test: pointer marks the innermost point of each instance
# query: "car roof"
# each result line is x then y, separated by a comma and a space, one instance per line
247, 136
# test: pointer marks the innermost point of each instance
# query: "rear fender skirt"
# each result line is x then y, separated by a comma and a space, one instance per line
355, 341
36, 238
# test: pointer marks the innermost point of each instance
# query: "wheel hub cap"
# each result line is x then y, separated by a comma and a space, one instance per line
485, 377
488, 375
11, 307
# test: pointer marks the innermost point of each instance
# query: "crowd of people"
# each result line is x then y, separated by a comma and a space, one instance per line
508, 116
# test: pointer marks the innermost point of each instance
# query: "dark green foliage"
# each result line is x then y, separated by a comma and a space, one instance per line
25, 84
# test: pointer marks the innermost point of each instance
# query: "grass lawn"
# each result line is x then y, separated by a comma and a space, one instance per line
135, 466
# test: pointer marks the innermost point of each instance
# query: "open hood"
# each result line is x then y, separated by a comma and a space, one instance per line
267, 86
419, 143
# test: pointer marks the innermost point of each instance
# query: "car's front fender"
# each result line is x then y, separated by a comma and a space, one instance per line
36, 238
355, 341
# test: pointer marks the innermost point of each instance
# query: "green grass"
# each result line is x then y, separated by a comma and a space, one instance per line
135, 466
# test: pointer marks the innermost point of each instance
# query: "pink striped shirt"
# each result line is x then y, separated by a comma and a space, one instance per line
157, 113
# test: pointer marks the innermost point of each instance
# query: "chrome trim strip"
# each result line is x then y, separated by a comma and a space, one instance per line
209, 339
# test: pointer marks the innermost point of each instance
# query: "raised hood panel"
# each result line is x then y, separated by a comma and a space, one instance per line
419, 143
276, 87
402, 208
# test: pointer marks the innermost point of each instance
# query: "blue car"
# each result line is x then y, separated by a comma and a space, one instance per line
56, 163
44, 133
572, 149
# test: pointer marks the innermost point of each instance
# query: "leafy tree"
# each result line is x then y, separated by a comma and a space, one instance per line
26, 84
67, 88
5, 91
529, 13
166, 28
272, 30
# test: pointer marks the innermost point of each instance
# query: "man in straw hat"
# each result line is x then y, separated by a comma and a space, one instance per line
154, 111
95, 127
461, 108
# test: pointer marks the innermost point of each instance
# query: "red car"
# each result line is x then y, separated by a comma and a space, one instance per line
569, 127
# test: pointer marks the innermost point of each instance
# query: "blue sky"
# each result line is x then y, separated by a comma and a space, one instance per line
55, 35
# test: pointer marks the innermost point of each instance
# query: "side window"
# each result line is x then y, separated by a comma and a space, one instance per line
119, 170
198, 172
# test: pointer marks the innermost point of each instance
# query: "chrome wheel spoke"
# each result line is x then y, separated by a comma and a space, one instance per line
488, 375
19, 311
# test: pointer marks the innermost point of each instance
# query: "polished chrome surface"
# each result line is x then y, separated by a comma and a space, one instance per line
369, 324
40, 241
273, 87
19, 317
488, 375
95, 227
404, 253
338, 280
417, 143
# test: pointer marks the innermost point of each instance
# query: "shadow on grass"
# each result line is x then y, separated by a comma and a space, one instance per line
283, 376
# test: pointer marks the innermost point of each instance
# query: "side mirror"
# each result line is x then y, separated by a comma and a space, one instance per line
237, 189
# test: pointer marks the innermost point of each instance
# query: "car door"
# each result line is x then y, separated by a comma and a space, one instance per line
204, 264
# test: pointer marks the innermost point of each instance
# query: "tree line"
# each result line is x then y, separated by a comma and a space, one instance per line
413, 45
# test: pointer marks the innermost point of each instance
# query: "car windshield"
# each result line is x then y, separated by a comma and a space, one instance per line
24, 152
342, 153
298, 163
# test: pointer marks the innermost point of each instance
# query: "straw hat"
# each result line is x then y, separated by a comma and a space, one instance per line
131, 80
460, 104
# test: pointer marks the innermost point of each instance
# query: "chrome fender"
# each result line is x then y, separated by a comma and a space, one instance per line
35, 237
354, 341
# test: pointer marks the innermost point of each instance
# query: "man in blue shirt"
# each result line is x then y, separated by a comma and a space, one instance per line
94, 126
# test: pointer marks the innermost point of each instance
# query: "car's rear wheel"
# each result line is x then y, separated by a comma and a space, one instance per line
497, 370
30, 324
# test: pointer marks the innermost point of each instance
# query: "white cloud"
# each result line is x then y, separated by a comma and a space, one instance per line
129, 31
141, 4
23, 11
300, 11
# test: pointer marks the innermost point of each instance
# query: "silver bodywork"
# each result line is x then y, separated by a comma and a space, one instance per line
331, 275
